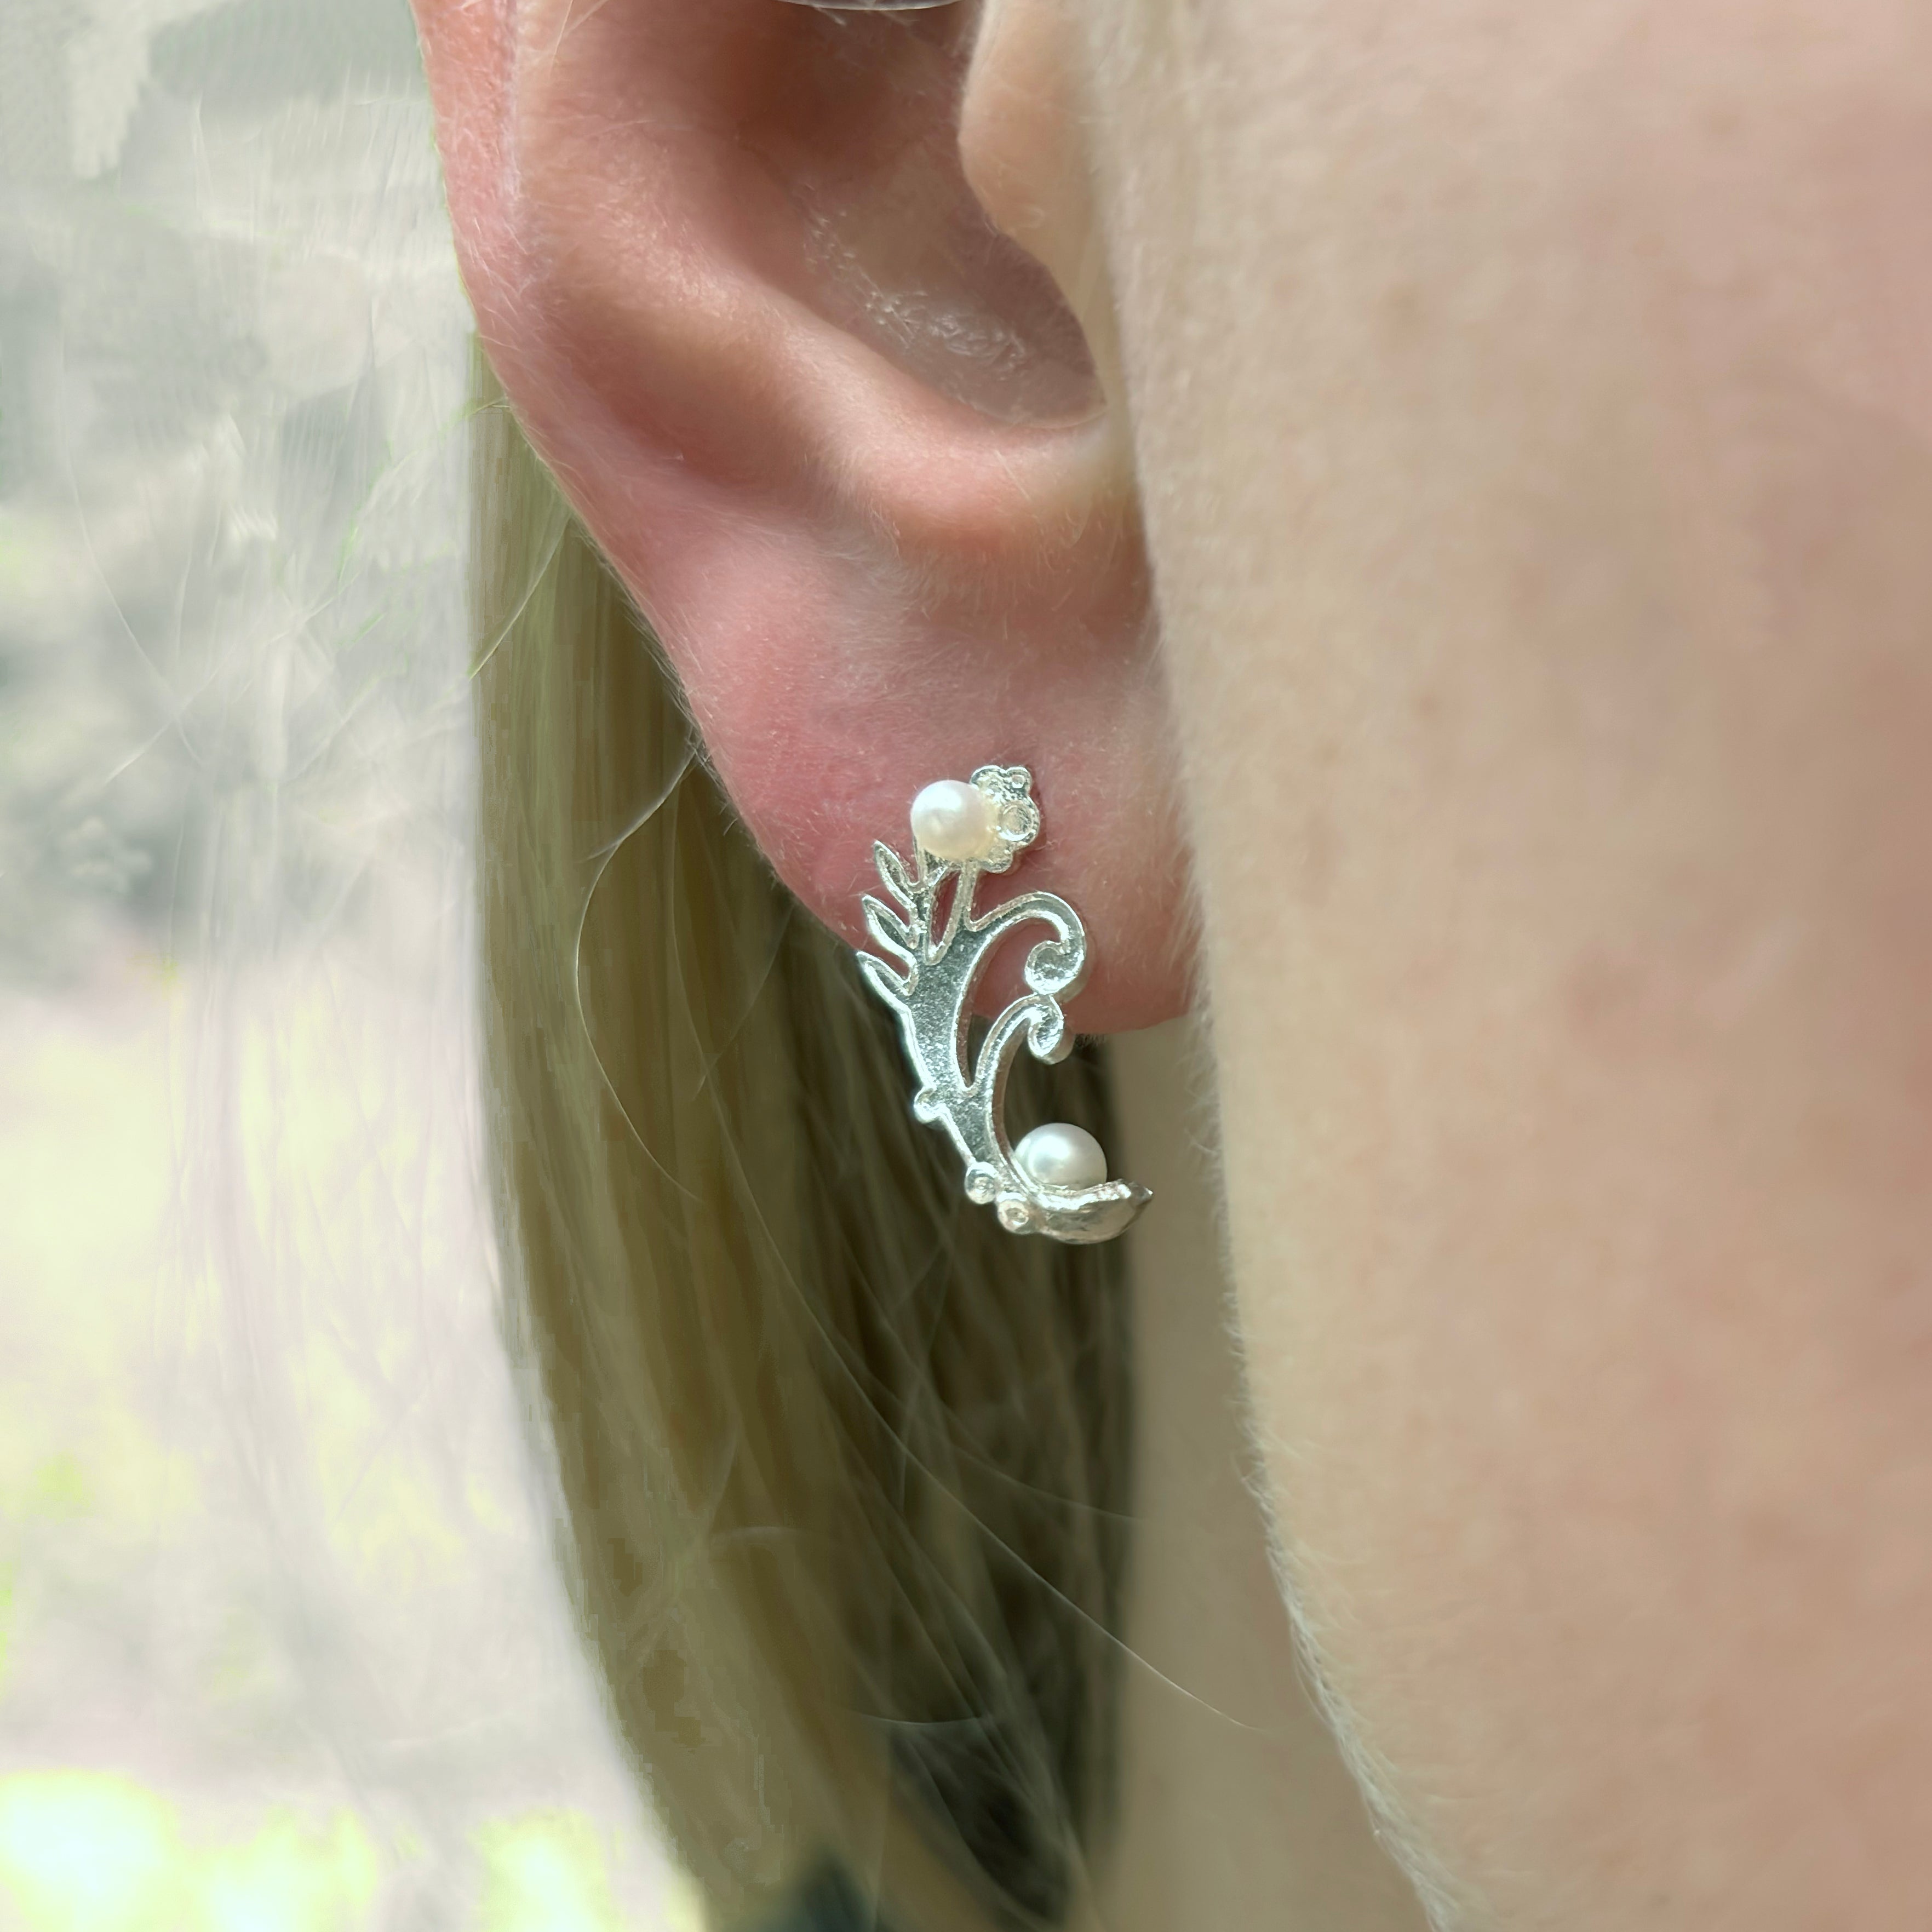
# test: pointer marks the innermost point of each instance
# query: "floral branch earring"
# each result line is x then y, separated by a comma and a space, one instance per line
1055, 1181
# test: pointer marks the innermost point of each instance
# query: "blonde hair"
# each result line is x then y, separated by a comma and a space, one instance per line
843, 1466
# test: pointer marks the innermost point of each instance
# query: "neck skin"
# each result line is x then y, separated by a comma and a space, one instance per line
1236, 1809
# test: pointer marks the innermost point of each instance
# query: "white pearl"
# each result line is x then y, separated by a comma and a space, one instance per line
953, 820
1060, 1155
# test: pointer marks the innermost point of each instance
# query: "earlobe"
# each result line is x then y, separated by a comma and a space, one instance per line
840, 435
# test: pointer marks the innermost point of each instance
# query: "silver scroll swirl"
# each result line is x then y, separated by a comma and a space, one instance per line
935, 963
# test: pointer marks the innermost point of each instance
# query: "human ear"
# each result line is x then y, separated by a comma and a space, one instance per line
842, 437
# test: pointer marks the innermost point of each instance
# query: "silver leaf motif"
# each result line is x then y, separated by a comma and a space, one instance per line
934, 961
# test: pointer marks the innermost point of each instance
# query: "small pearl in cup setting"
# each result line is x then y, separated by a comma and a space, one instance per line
1061, 1155
954, 820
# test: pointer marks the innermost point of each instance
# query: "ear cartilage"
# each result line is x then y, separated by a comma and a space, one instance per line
927, 965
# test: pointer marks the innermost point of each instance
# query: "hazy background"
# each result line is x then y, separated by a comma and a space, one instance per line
281, 1649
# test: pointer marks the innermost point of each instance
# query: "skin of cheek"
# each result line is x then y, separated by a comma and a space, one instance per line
1533, 423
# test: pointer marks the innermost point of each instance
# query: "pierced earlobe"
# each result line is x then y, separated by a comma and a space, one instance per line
839, 433
1055, 1182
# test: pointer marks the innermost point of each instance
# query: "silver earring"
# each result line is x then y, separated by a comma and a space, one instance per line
1055, 1181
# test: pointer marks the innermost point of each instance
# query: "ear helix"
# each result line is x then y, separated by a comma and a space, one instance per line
1055, 1182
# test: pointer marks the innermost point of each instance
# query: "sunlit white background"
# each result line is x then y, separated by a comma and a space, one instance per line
281, 1646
